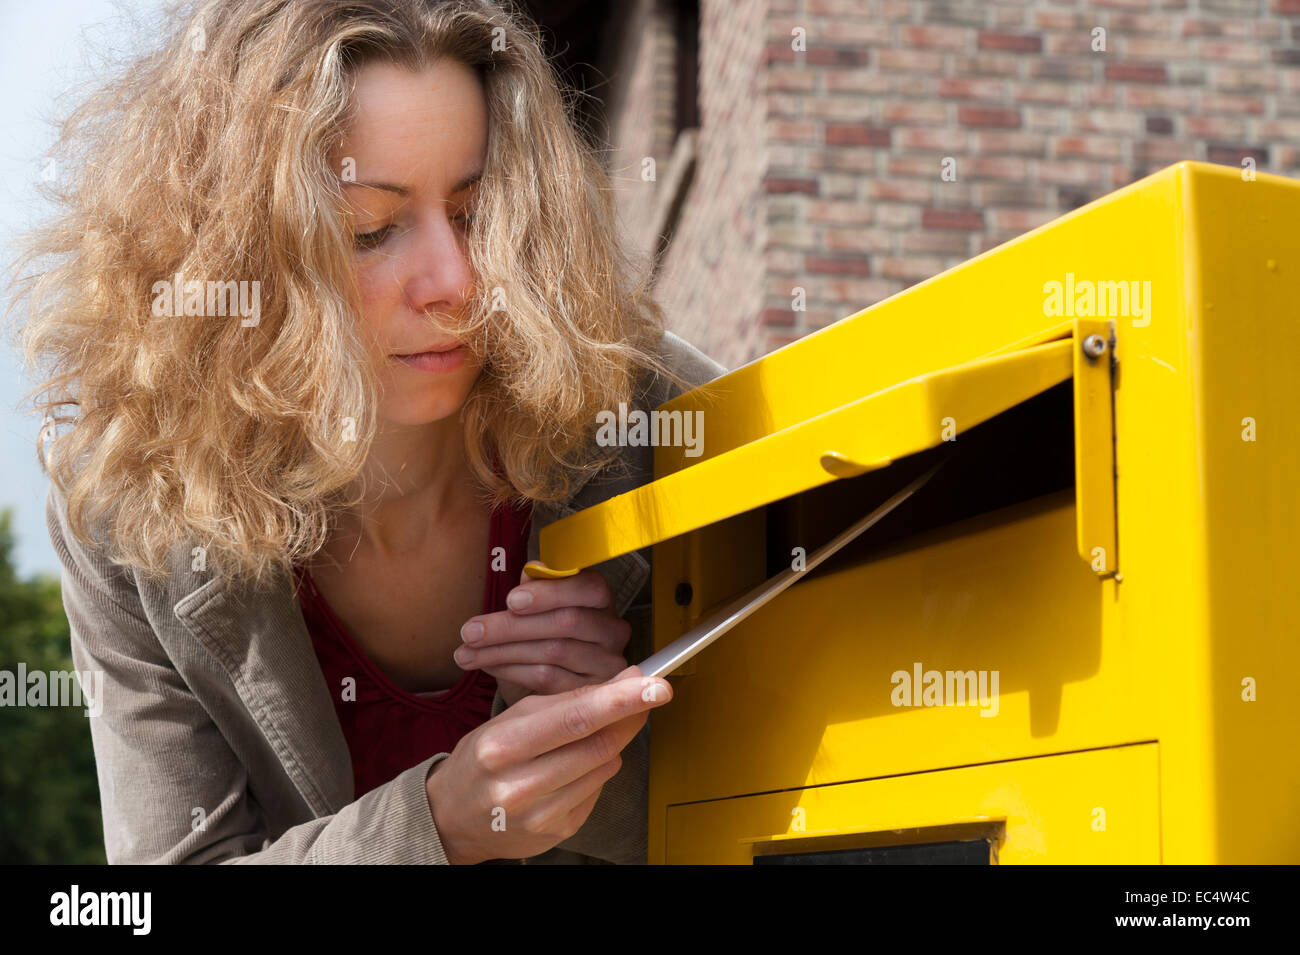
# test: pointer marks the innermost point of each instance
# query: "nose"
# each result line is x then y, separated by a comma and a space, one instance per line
439, 277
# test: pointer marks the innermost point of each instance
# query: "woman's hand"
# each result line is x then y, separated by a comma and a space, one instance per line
557, 635
527, 780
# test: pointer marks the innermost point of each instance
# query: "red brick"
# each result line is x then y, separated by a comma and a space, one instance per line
1090, 147
1053, 68
855, 134
779, 53
1239, 79
791, 78
906, 190
970, 220
1010, 168
910, 61
961, 87
943, 243
943, 139
853, 159
1060, 20
913, 267
1287, 8
1159, 97
1286, 130
1243, 52
777, 316
860, 293
1020, 220
837, 56
1021, 144
1056, 93
859, 240
1136, 73
986, 64
1215, 127
778, 184
855, 81
1159, 24
932, 37
1067, 172
988, 116
1233, 155
911, 164
837, 265
1162, 151
916, 113
838, 212
1007, 194
1016, 42
1156, 50
791, 131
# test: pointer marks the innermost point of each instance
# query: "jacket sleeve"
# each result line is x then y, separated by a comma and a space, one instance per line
617, 829
171, 788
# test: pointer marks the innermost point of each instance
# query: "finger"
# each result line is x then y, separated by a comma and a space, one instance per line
565, 810
586, 589
583, 659
537, 678
557, 769
539, 724
598, 627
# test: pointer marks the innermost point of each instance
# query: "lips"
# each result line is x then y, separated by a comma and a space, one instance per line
436, 350
449, 359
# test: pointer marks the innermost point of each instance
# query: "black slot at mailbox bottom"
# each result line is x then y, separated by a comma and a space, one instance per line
970, 852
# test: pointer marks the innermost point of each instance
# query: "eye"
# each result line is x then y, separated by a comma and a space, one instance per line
466, 221
369, 240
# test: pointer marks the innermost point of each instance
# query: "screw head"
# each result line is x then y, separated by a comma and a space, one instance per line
1094, 346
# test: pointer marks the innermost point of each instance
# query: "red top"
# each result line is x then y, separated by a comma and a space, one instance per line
389, 730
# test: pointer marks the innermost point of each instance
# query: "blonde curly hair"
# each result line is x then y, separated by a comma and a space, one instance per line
209, 157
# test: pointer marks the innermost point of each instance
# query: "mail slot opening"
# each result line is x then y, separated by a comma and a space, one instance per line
974, 852
1023, 453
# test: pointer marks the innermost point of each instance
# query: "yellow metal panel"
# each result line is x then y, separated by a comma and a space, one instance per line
1239, 436
860, 436
803, 692
1100, 806
1094, 443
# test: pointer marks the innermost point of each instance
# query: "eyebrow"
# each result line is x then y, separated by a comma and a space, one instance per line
404, 191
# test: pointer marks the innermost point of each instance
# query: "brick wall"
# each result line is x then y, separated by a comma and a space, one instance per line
822, 169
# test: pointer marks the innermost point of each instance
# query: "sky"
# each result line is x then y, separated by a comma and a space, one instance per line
47, 48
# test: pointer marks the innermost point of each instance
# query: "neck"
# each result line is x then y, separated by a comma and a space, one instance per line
416, 476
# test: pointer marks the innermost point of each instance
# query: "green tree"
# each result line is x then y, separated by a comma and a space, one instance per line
49, 795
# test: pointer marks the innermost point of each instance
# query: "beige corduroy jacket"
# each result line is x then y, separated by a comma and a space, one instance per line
218, 742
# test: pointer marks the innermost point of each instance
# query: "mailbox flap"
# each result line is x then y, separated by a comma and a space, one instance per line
862, 435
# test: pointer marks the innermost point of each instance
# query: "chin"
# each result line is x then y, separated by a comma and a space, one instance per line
417, 406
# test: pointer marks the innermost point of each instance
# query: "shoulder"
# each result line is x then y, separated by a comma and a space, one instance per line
634, 464
683, 359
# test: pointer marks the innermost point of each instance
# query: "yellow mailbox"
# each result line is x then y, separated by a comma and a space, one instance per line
1076, 642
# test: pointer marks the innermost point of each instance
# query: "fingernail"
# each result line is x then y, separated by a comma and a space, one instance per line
463, 656
472, 631
519, 599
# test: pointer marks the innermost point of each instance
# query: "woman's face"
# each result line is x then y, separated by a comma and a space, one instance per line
413, 152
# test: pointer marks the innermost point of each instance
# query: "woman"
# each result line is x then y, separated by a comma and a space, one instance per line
336, 301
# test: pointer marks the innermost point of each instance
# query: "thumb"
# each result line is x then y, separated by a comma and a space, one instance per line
631, 671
